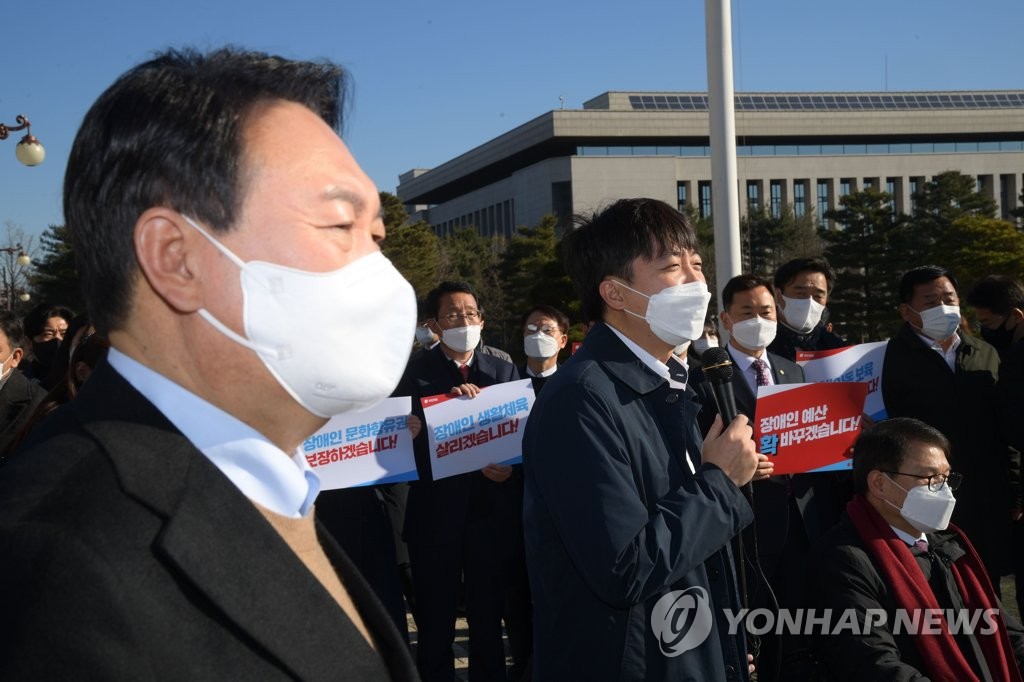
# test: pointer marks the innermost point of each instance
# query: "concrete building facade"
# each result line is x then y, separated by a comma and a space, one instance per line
800, 149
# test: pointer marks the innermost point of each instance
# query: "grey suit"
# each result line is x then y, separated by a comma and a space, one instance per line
128, 555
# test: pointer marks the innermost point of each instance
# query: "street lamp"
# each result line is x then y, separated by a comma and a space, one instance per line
28, 151
23, 258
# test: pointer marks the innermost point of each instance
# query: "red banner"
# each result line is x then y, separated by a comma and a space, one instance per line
809, 427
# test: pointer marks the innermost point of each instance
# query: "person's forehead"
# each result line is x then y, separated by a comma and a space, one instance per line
809, 278
758, 296
925, 458
541, 319
938, 286
457, 300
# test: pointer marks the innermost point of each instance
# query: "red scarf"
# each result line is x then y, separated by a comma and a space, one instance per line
911, 591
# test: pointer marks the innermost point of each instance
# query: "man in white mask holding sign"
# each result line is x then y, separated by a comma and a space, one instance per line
802, 288
947, 379
162, 527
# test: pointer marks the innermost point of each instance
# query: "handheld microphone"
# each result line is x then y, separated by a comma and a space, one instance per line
718, 368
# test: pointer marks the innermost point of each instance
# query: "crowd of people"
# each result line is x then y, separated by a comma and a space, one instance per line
157, 521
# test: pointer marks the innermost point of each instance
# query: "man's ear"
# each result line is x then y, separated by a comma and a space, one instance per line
876, 483
611, 294
16, 355
165, 246
725, 320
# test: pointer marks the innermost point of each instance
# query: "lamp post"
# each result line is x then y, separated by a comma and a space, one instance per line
22, 260
29, 151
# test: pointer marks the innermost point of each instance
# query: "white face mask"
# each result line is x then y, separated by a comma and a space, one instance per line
5, 373
939, 323
802, 314
365, 313
703, 343
680, 350
425, 336
461, 339
540, 345
676, 314
924, 510
754, 333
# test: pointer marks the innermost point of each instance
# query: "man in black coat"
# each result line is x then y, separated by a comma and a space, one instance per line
998, 303
937, 374
786, 508
891, 557
802, 288
628, 515
459, 527
161, 525
18, 395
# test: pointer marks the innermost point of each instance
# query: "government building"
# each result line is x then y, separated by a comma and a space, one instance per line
805, 150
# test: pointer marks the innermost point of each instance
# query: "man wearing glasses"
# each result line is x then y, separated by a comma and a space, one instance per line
461, 526
924, 606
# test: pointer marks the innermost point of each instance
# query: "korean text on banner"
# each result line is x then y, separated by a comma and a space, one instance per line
467, 434
862, 362
364, 448
809, 427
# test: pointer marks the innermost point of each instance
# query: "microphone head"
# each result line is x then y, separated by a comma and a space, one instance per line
717, 365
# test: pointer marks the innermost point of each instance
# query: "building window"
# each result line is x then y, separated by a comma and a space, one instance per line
822, 203
845, 186
799, 198
681, 196
704, 189
753, 196
915, 187
775, 188
1007, 197
890, 188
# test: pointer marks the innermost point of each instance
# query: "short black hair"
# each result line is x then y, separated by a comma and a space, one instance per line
13, 329
790, 269
997, 293
606, 242
922, 275
884, 445
169, 132
36, 318
432, 303
742, 283
560, 318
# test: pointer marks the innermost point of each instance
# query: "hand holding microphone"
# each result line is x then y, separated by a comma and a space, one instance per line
729, 444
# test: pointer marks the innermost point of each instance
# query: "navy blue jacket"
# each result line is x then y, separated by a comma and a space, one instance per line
614, 520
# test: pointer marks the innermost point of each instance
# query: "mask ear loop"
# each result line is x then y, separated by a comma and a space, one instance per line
277, 354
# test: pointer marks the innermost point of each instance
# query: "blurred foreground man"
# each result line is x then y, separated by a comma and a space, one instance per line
627, 515
161, 525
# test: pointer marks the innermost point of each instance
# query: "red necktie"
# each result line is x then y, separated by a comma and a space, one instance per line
464, 371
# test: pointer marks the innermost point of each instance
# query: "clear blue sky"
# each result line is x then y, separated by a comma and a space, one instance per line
435, 79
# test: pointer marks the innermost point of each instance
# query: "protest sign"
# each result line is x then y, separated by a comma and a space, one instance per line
862, 362
364, 448
467, 434
809, 427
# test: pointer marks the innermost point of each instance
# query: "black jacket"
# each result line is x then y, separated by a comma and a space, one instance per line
18, 398
842, 575
964, 405
788, 341
128, 555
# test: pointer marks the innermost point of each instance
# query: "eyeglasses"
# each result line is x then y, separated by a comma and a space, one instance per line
48, 333
547, 329
935, 482
471, 316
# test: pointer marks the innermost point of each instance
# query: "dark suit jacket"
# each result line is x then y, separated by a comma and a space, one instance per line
964, 405
615, 521
813, 493
438, 510
18, 398
128, 555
